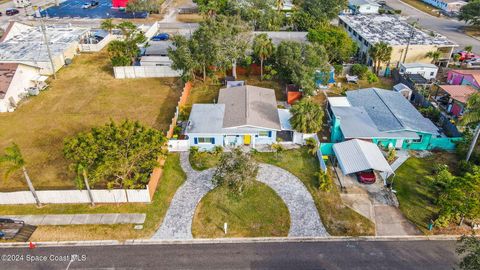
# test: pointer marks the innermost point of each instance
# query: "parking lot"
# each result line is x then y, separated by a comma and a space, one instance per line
73, 9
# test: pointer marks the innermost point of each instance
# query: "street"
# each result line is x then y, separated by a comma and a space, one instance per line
443, 25
286, 255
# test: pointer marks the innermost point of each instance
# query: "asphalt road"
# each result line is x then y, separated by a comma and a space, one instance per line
450, 28
309, 255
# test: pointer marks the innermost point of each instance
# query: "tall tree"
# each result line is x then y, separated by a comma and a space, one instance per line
13, 160
472, 117
212, 7
470, 13
123, 52
307, 116
108, 25
323, 10
469, 250
339, 46
434, 55
182, 58
380, 53
118, 155
263, 49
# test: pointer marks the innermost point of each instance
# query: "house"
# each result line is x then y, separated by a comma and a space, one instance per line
385, 118
404, 90
244, 115
368, 30
454, 97
16, 82
25, 44
362, 7
22, 3
464, 77
447, 5
428, 71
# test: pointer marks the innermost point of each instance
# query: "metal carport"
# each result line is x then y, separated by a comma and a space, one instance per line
357, 156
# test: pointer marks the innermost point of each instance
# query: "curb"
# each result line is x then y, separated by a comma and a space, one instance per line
231, 241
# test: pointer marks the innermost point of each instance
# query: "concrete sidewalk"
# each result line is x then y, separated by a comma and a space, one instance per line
80, 219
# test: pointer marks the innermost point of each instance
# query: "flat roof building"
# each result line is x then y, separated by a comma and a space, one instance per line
368, 30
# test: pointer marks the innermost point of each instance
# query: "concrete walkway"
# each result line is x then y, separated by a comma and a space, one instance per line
80, 219
304, 217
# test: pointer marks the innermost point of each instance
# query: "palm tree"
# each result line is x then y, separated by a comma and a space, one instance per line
468, 48
312, 146
472, 116
14, 161
263, 48
380, 53
279, 5
435, 55
82, 172
108, 25
307, 116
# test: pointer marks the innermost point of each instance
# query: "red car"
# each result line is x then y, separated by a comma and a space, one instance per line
366, 177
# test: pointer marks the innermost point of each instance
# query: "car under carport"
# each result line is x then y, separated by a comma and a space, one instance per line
356, 155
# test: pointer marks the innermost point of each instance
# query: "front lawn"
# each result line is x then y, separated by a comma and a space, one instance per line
173, 177
258, 212
338, 219
85, 95
203, 160
415, 196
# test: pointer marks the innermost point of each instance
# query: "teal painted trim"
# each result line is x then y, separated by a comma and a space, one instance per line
327, 149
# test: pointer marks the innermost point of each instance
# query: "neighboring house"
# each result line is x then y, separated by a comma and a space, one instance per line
428, 71
385, 118
22, 3
454, 97
464, 77
447, 5
25, 44
16, 82
404, 90
244, 115
362, 7
368, 30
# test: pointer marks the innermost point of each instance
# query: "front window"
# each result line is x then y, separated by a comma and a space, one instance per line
264, 134
205, 140
418, 140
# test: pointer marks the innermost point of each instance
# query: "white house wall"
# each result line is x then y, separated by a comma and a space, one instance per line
21, 81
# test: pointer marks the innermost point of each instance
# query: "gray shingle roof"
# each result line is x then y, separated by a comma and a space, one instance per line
390, 111
249, 106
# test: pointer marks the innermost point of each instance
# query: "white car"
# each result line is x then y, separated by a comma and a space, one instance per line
86, 5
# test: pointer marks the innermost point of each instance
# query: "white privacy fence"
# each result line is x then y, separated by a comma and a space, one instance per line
99, 46
77, 196
178, 145
132, 72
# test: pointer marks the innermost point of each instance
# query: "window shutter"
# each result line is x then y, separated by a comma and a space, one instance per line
213, 140
195, 140
269, 134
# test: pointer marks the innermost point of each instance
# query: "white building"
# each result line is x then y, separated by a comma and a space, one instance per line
16, 82
22, 3
362, 7
25, 44
428, 71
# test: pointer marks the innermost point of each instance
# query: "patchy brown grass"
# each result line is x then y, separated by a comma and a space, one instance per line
418, 4
85, 95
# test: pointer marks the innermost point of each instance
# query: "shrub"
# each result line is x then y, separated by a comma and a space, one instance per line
324, 181
371, 77
359, 70
431, 113
236, 169
338, 69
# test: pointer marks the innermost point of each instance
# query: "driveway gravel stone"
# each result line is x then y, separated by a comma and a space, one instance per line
304, 218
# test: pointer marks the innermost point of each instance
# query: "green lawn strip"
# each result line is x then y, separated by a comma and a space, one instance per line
203, 160
173, 177
258, 212
418, 4
337, 218
414, 194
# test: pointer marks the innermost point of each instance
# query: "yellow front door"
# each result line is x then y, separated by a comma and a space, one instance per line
246, 139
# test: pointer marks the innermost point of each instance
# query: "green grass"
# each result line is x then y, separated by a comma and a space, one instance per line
338, 219
84, 95
415, 196
173, 177
258, 212
203, 160
418, 4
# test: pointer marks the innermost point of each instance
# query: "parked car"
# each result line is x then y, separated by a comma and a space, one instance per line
473, 63
366, 177
86, 5
11, 12
161, 37
94, 3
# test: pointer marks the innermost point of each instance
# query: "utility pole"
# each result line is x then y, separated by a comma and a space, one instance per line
412, 33
47, 43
